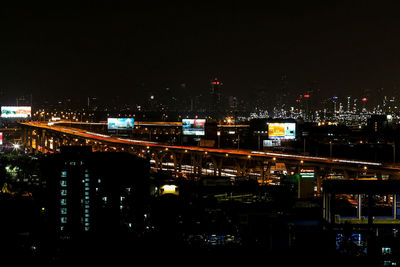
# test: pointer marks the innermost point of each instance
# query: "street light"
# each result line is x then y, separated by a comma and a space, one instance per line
16, 147
219, 138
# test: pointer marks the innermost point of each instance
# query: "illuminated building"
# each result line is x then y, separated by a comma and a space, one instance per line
93, 192
216, 108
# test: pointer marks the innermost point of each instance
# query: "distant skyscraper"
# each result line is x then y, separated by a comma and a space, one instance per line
334, 100
24, 100
283, 96
92, 103
216, 105
348, 104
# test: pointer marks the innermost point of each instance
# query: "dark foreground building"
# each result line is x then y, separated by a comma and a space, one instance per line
94, 196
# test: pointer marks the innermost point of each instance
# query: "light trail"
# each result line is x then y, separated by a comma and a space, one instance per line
225, 152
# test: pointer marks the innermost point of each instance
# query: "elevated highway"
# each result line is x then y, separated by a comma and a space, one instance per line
41, 137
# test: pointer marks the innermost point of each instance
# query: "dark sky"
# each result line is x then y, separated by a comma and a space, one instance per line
123, 48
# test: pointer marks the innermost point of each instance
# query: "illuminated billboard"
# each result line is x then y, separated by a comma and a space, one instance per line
278, 130
1, 138
120, 123
193, 126
15, 112
271, 143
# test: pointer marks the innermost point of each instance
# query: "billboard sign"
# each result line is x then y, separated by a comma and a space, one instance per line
279, 130
120, 123
1, 138
271, 143
15, 111
193, 126
307, 173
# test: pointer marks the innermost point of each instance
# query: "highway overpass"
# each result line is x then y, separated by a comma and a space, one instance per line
43, 137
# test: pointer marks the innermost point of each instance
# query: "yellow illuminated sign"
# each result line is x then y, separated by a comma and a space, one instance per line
169, 189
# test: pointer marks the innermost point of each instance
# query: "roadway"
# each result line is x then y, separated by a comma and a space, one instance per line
223, 152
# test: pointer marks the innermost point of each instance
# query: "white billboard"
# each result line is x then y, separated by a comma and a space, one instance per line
120, 123
271, 143
15, 111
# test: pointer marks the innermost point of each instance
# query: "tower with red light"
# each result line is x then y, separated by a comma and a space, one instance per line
216, 105
364, 103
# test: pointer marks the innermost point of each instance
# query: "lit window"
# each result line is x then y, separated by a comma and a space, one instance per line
386, 251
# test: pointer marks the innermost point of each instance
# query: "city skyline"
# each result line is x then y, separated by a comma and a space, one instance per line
211, 131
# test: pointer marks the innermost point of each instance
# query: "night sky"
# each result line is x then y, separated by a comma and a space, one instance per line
111, 48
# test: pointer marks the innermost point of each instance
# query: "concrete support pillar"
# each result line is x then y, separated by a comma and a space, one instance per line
158, 158
43, 141
25, 137
346, 174
262, 174
217, 162
241, 168
29, 141
177, 159
197, 163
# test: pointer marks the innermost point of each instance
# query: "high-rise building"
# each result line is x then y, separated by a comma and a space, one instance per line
282, 97
348, 104
94, 192
216, 105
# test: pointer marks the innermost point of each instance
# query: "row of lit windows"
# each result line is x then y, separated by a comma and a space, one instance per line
86, 202
63, 200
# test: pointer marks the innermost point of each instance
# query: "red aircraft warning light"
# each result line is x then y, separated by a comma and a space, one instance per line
364, 99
